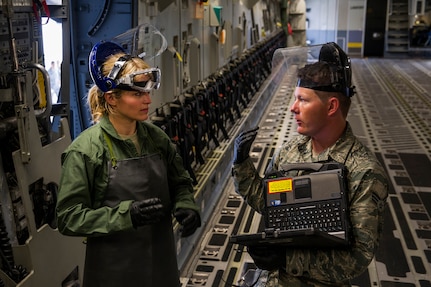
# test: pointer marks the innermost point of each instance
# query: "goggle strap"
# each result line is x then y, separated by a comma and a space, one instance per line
118, 66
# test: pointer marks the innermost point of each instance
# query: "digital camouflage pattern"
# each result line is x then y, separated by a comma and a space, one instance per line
368, 190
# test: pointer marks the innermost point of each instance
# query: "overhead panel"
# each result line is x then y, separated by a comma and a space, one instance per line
195, 61
228, 41
96, 21
249, 3
163, 4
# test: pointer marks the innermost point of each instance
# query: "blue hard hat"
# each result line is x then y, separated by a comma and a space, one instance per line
98, 55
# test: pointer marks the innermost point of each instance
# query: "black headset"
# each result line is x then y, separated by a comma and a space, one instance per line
340, 66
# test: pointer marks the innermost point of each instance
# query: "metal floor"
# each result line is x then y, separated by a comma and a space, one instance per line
391, 114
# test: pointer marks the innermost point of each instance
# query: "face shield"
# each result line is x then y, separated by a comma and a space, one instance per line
290, 60
144, 41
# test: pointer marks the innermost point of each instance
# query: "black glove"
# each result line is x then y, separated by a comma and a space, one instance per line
148, 211
243, 144
268, 257
189, 219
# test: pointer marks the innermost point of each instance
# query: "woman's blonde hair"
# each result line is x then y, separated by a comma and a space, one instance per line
96, 100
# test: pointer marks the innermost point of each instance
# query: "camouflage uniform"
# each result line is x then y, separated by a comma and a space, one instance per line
368, 190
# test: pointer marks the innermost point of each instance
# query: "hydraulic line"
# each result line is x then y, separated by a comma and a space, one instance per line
16, 273
100, 19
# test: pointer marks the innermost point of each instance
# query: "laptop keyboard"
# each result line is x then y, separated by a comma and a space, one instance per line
324, 216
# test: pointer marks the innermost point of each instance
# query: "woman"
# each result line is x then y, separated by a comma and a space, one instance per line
122, 180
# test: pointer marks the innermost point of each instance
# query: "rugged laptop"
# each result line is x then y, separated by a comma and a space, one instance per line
306, 210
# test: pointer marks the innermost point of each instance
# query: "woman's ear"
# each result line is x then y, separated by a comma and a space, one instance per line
110, 98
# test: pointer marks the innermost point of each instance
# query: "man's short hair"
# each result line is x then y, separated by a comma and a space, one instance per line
316, 75
319, 76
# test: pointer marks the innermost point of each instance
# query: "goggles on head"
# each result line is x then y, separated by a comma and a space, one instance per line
144, 81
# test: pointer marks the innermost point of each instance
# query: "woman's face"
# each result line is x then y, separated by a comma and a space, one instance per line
131, 105
310, 111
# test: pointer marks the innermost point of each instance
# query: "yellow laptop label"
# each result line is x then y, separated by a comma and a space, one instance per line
281, 185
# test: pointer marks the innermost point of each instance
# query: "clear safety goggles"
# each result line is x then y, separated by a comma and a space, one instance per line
144, 81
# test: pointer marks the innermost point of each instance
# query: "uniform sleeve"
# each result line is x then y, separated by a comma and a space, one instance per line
247, 182
180, 182
76, 213
366, 212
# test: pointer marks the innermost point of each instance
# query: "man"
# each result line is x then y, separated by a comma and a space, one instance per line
322, 101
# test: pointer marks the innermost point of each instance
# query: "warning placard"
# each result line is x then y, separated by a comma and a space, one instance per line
281, 185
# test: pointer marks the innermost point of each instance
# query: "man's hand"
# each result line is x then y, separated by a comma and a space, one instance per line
243, 144
189, 219
148, 211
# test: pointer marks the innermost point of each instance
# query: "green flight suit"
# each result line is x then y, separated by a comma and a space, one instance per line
85, 177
